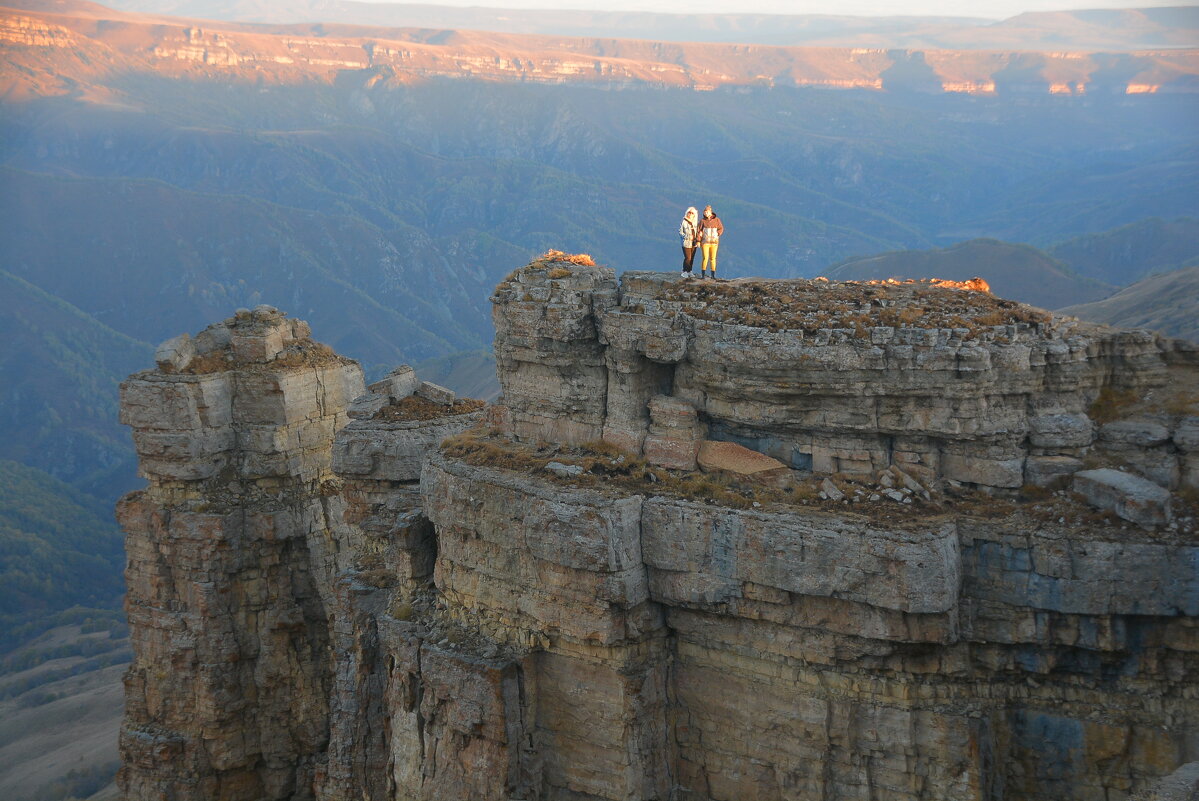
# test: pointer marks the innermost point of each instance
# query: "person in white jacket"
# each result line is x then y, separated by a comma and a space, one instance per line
689, 233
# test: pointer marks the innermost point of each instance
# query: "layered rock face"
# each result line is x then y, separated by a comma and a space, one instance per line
230, 561
549, 600
996, 398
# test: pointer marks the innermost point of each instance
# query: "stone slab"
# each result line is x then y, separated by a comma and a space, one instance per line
1131, 497
984, 471
736, 459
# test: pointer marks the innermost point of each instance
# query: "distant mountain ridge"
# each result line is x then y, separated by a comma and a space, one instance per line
1019, 272
1118, 29
61, 549
1132, 252
1080, 270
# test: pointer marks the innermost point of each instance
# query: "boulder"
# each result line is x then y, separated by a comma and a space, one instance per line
212, 339
175, 354
1133, 498
1186, 436
253, 347
564, 470
675, 433
367, 406
1190, 471
903, 479
978, 470
435, 393
831, 490
398, 384
1181, 785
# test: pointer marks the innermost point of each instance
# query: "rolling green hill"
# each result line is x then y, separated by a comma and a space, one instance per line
195, 257
59, 549
1131, 252
1165, 302
60, 368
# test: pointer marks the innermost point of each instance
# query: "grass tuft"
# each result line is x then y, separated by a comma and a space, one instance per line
1111, 404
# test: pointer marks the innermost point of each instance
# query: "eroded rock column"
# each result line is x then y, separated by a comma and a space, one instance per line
228, 559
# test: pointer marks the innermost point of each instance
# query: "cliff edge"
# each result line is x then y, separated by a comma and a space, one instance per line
757, 539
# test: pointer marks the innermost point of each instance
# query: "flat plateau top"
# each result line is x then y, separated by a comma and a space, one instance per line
817, 304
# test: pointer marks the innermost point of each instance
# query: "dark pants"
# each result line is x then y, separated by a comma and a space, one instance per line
688, 258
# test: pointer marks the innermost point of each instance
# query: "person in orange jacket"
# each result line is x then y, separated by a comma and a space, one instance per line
710, 231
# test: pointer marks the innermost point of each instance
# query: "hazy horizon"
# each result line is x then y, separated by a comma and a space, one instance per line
990, 9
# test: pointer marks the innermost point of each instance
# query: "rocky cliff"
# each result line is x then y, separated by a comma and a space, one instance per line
748, 540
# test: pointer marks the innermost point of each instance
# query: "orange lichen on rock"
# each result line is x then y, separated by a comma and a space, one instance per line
975, 284
581, 259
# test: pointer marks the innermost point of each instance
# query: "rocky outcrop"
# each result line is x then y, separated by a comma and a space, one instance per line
229, 562
995, 396
589, 591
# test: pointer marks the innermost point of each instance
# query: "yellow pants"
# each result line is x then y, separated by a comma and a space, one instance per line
710, 255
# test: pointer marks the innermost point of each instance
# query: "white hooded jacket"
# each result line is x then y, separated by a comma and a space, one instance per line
689, 228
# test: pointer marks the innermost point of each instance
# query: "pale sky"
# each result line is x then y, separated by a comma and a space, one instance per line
995, 9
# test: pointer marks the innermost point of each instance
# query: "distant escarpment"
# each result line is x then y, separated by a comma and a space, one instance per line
97, 40
716, 541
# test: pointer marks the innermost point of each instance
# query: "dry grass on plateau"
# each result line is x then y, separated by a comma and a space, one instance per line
554, 263
414, 408
816, 305
606, 467
304, 353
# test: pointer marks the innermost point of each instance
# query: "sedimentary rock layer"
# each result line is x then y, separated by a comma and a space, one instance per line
990, 399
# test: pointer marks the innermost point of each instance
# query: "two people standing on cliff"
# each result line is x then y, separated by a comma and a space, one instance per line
703, 233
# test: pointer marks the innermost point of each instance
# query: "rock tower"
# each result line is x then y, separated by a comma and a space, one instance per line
752, 540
